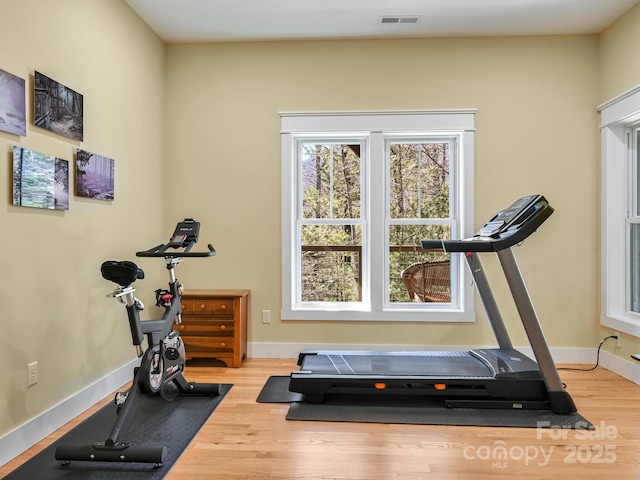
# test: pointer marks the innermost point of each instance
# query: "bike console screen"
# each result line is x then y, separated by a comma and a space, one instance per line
186, 232
508, 227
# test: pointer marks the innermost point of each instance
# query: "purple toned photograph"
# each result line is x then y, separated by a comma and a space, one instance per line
39, 180
13, 111
94, 176
57, 108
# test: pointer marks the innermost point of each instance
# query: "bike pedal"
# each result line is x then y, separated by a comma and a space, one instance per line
120, 398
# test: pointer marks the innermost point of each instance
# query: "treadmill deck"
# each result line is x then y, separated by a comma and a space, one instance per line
415, 364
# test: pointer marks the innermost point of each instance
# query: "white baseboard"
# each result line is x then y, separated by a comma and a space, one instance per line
623, 367
583, 356
291, 350
25, 436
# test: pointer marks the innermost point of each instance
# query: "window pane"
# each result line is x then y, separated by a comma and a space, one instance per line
635, 268
637, 154
331, 263
410, 280
634, 250
419, 180
330, 180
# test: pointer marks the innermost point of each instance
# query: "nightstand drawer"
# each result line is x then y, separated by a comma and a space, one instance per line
208, 346
197, 306
208, 306
224, 306
205, 326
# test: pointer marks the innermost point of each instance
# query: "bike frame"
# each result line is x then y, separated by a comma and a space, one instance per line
155, 330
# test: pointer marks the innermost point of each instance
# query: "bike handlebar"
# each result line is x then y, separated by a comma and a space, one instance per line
162, 251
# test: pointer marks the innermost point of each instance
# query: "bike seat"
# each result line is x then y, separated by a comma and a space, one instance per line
124, 272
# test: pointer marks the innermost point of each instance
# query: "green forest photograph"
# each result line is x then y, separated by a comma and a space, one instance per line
39, 180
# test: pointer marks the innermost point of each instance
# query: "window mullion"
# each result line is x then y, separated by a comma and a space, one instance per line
331, 180
420, 182
377, 255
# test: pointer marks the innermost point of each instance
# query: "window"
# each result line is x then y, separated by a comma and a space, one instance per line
634, 225
360, 190
620, 133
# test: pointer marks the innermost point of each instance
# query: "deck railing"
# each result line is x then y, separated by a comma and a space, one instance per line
334, 272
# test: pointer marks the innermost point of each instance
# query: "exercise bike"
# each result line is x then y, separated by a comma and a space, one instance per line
162, 363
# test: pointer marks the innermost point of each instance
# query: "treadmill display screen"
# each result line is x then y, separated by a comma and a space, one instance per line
507, 228
504, 218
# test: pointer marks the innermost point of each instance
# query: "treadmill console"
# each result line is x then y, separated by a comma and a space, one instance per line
507, 228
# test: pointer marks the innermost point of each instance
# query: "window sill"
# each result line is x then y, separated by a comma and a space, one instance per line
624, 325
435, 316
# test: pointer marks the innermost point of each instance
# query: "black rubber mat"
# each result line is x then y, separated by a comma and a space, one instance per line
415, 410
157, 423
276, 390
423, 411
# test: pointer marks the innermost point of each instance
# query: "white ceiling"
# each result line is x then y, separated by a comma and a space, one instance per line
181, 21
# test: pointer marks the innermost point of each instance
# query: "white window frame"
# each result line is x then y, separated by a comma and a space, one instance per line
618, 117
373, 127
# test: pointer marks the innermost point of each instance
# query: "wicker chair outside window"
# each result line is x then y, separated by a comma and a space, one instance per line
428, 281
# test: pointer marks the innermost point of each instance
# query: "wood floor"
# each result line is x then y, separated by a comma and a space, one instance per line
244, 440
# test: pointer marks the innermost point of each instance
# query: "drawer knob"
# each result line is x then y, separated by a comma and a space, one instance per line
202, 306
223, 345
180, 327
183, 306
223, 327
223, 307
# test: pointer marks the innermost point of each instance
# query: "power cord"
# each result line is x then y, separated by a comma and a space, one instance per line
597, 358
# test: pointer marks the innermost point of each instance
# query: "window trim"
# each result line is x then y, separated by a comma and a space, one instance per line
374, 125
618, 116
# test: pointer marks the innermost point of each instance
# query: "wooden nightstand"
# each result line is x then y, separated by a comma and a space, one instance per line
214, 325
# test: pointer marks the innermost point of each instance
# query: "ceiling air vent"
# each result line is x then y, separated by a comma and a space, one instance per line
399, 19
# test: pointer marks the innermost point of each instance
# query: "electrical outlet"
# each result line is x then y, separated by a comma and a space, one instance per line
32, 373
266, 316
618, 340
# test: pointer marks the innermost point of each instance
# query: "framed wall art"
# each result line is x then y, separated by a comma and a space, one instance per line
39, 180
94, 176
57, 108
13, 111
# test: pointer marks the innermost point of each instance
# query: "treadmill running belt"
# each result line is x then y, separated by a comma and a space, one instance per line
425, 364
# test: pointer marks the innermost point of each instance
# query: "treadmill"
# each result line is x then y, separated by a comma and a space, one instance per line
502, 377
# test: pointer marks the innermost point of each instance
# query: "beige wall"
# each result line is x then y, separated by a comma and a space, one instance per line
620, 71
536, 132
619, 60
54, 305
